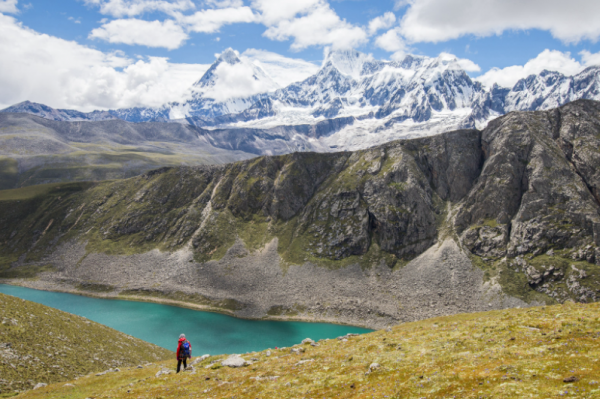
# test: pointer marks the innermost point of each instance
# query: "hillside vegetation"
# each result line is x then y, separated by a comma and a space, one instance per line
35, 150
39, 344
542, 352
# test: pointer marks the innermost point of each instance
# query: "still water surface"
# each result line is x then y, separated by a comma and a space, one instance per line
210, 333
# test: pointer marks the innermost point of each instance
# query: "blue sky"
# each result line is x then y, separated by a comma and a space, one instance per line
109, 47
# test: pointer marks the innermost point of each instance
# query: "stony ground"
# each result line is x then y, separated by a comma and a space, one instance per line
39, 344
538, 352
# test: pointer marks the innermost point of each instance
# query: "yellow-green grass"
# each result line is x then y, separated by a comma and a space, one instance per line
518, 353
47, 346
42, 189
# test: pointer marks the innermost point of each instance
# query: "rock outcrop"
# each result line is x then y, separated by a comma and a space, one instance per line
463, 221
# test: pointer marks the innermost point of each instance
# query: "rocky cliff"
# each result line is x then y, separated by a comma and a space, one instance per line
463, 221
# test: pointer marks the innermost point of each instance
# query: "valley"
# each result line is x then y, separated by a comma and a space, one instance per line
459, 222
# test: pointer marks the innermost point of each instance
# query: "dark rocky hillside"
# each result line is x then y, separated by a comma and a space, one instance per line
463, 221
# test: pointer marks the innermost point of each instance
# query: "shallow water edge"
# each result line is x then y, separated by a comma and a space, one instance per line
171, 302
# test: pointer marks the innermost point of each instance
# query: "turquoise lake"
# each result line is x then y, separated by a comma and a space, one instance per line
210, 333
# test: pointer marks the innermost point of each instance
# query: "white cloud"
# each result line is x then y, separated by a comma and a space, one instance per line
131, 8
65, 74
224, 3
390, 41
211, 20
282, 70
589, 58
551, 60
9, 6
319, 26
398, 4
441, 20
384, 21
165, 34
305, 22
275, 11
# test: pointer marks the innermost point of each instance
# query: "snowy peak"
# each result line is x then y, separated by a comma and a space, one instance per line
348, 62
47, 112
231, 77
229, 56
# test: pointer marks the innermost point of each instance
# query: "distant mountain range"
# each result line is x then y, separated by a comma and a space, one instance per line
377, 101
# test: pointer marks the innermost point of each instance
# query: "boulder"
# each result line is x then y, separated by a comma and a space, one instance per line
200, 359
234, 361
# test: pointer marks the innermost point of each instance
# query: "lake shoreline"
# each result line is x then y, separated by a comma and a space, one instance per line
51, 287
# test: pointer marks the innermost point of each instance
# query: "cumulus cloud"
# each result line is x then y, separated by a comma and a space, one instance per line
282, 70
589, 58
9, 6
390, 41
211, 20
441, 20
384, 21
305, 22
131, 31
65, 74
318, 25
131, 8
224, 3
551, 60
275, 11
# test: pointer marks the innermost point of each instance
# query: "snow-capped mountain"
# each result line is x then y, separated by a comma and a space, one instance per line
537, 92
47, 112
211, 96
377, 100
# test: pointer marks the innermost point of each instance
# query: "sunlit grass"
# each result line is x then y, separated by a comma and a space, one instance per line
517, 353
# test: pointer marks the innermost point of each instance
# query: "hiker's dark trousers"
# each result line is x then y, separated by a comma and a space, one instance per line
179, 364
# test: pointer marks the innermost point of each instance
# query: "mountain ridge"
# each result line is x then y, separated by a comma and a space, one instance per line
412, 97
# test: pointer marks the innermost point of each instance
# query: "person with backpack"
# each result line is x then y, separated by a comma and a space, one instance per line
184, 351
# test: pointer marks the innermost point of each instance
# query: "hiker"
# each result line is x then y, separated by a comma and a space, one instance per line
184, 351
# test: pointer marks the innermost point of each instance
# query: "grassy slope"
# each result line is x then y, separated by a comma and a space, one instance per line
9, 173
48, 345
500, 354
86, 166
34, 191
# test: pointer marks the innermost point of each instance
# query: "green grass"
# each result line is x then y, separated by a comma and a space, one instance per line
42, 189
9, 173
47, 345
26, 192
508, 354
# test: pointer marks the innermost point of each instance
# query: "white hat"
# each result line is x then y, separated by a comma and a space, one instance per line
182, 336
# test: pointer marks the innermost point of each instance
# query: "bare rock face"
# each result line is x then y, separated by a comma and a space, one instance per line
366, 237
